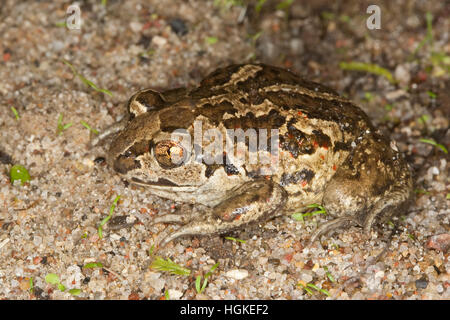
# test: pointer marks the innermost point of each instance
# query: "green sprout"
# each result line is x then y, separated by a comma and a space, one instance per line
429, 35
300, 216
437, 59
211, 40
431, 94
313, 286
389, 107
329, 276
344, 18
19, 172
326, 15
61, 24
166, 295
61, 127
31, 285
421, 191
105, 220
255, 37
147, 53
89, 127
205, 281
150, 251
92, 265
84, 80
75, 292
284, 5
168, 265
235, 240
259, 5
368, 67
424, 119
434, 143
368, 96
53, 279
16, 114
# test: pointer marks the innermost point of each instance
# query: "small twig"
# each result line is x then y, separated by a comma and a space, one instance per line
114, 273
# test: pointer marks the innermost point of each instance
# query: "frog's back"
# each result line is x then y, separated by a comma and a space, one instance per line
316, 127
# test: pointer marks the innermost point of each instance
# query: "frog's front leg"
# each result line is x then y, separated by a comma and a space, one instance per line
254, 201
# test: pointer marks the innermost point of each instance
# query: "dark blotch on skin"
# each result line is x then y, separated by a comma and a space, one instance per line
324, 109
322, 139
342, 146
296, 142
229, 168
273, 120
209, 171
215, 112
305, 175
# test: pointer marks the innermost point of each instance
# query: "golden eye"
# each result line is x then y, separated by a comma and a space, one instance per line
169, 154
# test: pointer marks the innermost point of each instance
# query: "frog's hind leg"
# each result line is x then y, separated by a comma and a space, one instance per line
373, 184
254, 201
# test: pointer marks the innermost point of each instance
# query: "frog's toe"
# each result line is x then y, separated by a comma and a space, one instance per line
171, 218
188, 230
334, 224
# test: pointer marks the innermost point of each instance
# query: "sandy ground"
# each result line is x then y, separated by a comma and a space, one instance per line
49, 225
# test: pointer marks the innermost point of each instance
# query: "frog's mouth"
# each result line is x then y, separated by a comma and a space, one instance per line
162, 184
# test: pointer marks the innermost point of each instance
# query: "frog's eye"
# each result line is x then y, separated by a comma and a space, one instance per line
169, 154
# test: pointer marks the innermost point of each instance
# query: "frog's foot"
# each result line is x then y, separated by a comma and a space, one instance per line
397, 201
254, 201
341, 222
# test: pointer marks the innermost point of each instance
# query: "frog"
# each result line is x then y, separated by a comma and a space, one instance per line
323, 150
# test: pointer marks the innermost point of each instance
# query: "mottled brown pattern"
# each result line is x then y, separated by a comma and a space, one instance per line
330, 153
176, 118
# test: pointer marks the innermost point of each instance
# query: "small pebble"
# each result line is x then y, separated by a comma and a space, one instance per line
439, 242
421, 283
135, 26
178, 26
307, 277
394, 95
175, 294
159, 41
237, 274
402, 75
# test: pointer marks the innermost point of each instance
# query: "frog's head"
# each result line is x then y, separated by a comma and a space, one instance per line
156, 150
146, 152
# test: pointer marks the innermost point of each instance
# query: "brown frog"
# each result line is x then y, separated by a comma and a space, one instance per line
320, 148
